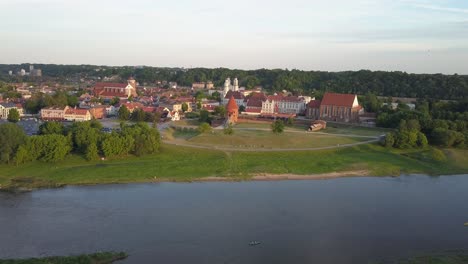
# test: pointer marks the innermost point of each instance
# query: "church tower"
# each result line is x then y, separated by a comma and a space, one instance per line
227, 87
236, 85
131, 87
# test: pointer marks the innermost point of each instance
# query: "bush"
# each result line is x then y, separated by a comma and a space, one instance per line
277, 127
389, 140
204, 128
228, 130
438, 155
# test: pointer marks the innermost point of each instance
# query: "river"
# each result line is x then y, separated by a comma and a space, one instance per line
347, 220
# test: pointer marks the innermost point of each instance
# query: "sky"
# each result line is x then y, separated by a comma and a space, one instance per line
418, 36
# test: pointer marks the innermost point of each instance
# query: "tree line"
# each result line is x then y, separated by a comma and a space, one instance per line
88, 139
440, 123
395, 84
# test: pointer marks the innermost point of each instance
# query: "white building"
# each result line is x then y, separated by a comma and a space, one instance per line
6, 107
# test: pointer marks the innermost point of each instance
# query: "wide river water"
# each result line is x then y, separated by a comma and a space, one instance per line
347, 220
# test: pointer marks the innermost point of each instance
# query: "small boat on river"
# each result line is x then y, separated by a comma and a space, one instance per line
254, 243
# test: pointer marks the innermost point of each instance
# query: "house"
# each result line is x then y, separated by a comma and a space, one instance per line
53, 113
6, 107
335, 107
77, 114
198, 85
107, 90
173, 115
132, 106
111, 110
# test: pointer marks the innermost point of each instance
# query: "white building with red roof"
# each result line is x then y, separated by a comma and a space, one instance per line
77, 114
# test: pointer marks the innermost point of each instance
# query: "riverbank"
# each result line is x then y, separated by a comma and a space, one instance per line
96, 258
286, 177
182, 164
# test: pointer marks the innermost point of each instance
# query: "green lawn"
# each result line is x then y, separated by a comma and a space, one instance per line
335, 128
175, 163
267, 139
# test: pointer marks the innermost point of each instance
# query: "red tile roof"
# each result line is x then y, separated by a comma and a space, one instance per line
236, 94
336, 99
101, 85
77, 111
254, 102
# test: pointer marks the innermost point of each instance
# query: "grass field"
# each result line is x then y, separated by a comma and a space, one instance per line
266, 139
175, 163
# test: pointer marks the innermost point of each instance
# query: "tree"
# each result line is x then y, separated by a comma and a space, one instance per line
184, 107
85, 134
277, 127
138, 115
146, 140
51, 128
228, 130
92, 152
115, 145
21, 155
204, 117
241, 109
422, 140
11, 137
124, 113
13, 115
114, 101
204, 128
48, 148
220, 110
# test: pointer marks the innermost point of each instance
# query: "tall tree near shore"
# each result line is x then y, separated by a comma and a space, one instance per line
11, 137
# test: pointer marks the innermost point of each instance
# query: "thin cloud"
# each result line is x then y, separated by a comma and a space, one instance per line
427, 6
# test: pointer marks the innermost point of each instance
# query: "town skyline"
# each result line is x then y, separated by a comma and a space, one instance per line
416, 36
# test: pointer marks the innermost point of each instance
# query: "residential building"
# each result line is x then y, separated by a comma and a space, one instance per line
198, 85
53, 113
6, 107
77, 114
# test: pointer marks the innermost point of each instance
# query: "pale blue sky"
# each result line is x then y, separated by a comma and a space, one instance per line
422, 36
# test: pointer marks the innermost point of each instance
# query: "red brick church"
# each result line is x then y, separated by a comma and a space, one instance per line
335, 107
107, 90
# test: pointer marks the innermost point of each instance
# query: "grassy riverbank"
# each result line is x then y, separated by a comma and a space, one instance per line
175, 163
97, 258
